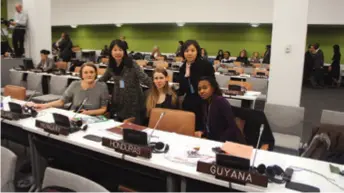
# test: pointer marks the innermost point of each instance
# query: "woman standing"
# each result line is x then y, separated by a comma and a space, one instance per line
127, 96
335, 66
190, 73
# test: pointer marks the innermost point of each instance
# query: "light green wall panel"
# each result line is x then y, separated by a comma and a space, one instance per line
232, 37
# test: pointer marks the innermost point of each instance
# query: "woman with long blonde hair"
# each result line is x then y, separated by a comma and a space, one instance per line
160, 95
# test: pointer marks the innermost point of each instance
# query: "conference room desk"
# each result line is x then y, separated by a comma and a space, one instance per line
178, 173
248, 99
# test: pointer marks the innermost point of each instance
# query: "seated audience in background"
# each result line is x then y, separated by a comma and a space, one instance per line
96, 93
255, 58
155, 53
219, 55
65, 48
204, 54
122, 38
267, 55
178, 52
105, 51
218, 119
335, 66
226, 57
46, 63
127, 96
193, 68
242, 57
160, 95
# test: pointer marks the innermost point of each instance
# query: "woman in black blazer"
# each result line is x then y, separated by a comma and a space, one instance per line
190, 73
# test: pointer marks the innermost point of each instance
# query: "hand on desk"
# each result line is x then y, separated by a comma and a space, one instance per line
129, 120
85, 112
198, 134
40, 106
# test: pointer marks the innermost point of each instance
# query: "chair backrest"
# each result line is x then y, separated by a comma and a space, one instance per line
142, 62
16, 78
256, 65
57, 85
185, 124
76, 49
77, 69
160, 58
34, 82
160, 64
332, 117
285, 119
234, 102
259, 84
16, 92
8, 168
247, 85
61, 65
101, 71
238, 64
217, 62
105, 60
179, 59
55, 177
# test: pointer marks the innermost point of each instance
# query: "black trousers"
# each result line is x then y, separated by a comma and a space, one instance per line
18, 41
317, 78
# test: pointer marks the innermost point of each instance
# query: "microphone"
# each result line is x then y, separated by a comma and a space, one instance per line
258, 142
79, 122
156, 125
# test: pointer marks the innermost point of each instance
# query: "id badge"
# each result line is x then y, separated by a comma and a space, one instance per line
121, 84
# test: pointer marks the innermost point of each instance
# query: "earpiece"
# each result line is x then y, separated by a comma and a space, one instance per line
159, 147
272, 172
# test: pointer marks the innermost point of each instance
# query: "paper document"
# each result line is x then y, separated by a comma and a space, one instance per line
238, 150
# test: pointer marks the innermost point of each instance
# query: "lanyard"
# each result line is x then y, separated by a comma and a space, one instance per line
192, 90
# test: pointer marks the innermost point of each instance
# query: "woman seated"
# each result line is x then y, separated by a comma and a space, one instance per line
219, 55
242, 57
92, 93
160, 95
255, 58
155, 53
225, 63
204, 54
218, 118
46, 63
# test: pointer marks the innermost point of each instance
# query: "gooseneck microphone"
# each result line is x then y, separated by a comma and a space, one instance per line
156, 125
258, 142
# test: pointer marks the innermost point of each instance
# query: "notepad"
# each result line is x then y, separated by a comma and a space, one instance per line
238, 150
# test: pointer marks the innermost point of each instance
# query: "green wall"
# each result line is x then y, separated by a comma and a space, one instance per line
4, 9
232, 37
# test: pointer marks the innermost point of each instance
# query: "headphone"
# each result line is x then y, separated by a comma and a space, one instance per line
29, 111
159, 147
79, 124
271, 172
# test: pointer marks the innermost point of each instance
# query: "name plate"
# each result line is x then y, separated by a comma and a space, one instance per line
234, 92
13, 116
128, 148
232, 175
52, 128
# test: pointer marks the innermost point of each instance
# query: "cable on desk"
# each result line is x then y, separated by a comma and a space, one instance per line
332, 181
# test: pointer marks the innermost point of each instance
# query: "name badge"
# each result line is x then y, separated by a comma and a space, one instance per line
121, 84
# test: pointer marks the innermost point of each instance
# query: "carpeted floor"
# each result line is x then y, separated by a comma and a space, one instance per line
315, 100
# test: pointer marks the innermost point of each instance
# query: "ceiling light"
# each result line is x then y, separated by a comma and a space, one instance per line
74, 26
118, 24
180, 24
254, 24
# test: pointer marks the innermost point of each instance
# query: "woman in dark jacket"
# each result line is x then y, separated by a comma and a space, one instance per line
127, 96
191, 71
219, 55
335, 66
218, 120
242, 57
65, 48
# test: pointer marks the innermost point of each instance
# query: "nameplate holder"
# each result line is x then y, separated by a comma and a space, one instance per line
52, 128
232, 175
128, 148
9, 115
